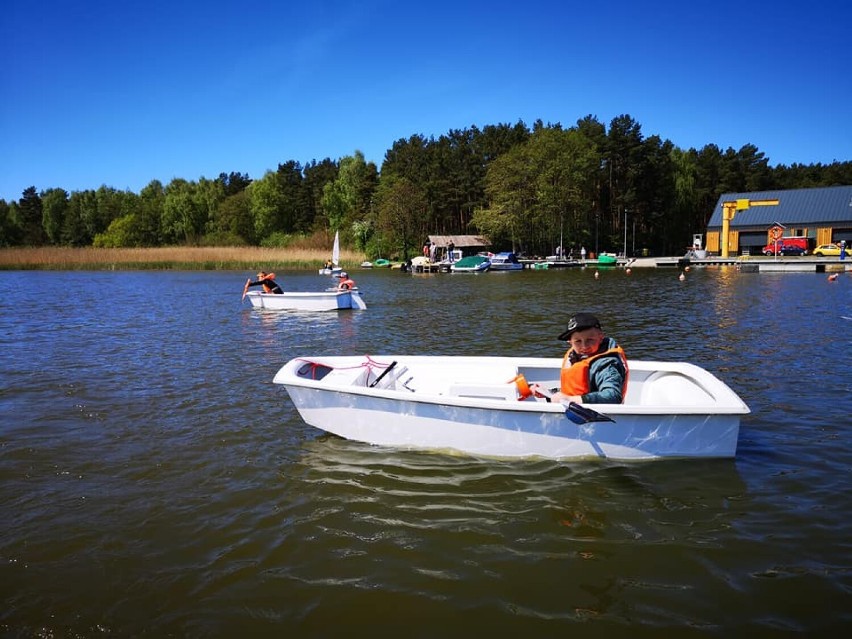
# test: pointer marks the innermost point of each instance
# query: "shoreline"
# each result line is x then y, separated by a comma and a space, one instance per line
225, 258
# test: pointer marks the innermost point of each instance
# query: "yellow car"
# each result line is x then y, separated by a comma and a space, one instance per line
829, 249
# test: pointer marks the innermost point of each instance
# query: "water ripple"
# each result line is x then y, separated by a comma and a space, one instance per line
155, 482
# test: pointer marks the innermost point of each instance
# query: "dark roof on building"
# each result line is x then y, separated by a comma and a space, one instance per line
459, 241
826, 206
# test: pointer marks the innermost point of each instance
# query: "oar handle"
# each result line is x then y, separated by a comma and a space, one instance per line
384, 372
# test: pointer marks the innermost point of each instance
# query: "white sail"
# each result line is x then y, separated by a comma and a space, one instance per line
335, 252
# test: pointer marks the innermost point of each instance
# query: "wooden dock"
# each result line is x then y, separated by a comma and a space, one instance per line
745, 263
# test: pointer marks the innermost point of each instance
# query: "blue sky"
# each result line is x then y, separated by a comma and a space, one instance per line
120, 93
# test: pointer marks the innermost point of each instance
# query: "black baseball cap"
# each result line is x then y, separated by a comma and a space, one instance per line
579, 322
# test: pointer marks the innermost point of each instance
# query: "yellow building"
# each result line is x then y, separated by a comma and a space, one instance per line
742, 223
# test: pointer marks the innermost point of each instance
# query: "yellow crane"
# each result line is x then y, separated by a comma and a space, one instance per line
730, 209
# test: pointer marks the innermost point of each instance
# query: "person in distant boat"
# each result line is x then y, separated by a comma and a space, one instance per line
346, 283
594, 370
267, 281
329, 264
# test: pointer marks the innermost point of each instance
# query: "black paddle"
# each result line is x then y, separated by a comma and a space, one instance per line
583, 415
385, 372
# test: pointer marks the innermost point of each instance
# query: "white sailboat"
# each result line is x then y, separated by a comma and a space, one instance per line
335, 268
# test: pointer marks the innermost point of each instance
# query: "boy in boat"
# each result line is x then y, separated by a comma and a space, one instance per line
346, 283
267, 281
594, 370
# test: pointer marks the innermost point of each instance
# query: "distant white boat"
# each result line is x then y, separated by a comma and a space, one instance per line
471, 404
335, 258
330, 300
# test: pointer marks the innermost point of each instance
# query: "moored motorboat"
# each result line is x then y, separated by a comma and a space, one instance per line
471, 264
330, 300
506, 261
451, 256
470, 404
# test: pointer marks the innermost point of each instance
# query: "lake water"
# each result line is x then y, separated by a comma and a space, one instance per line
154, 482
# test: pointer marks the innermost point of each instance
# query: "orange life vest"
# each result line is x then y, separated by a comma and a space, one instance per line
574, 378
346, 285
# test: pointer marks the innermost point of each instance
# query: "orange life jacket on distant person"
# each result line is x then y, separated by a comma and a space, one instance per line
574, 378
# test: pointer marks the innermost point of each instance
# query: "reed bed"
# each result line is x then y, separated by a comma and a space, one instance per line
226, 258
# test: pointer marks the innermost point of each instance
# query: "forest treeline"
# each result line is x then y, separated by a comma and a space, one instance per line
526, 189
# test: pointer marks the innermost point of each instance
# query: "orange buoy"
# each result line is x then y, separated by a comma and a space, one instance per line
628, 271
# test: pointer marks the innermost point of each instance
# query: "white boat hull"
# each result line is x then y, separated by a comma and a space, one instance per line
480, 268
470, 405
307, 301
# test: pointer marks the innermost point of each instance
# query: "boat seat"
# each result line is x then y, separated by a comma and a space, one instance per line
395, 379
466, 381
669, 388
506, 391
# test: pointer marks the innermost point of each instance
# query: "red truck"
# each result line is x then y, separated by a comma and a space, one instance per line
788, 246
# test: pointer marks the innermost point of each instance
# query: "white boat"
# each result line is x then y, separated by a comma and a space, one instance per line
470, 405
506, 262
471, 264
450, 257
335, 268
330, 300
